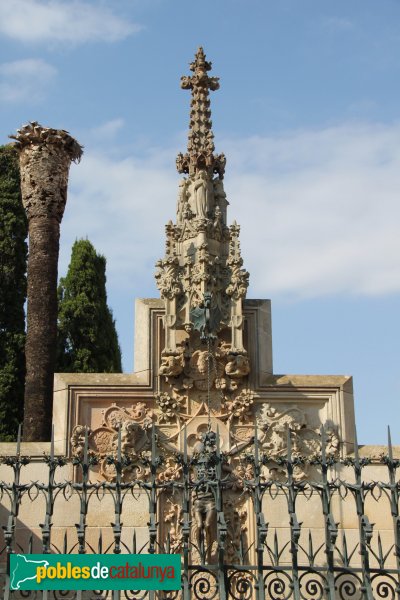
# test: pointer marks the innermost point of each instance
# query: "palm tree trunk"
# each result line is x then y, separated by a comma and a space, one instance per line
45, 157
41, 339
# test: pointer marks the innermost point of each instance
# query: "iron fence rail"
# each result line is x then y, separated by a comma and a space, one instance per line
266, 566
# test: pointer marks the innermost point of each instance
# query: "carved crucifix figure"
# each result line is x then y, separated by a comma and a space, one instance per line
205, 511
204, 506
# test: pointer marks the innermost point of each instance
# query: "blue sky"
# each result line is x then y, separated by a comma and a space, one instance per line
308, 116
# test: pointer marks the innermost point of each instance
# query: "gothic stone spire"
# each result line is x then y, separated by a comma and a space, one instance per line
201, 273
200, 151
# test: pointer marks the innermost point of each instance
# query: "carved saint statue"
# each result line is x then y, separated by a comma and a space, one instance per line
220, 198
202, 195
182, 200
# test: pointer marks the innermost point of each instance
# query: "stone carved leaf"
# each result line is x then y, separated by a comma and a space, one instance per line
293, 417
114, 417
107, 470
100, 441
309, 442
269, 415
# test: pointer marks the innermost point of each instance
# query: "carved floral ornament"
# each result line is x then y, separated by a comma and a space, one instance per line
275, 427
239, 412
134, 426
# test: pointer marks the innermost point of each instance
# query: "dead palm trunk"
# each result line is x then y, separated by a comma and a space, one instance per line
45, 157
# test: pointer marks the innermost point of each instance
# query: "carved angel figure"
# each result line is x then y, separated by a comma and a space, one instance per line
182, 200
237, 366
171, 366
173, 517
220, 198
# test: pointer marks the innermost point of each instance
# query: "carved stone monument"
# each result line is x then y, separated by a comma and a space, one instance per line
203, 362
203, 352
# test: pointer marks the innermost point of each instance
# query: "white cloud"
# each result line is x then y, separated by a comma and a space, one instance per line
122, 207
319, 210
71, 21
25, 79
107, 131
325, 208
338, 23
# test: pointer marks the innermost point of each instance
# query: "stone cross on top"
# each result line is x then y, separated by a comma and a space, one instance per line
200, 149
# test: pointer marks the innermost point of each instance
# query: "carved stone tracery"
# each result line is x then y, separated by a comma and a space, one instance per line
276, 427
122, 430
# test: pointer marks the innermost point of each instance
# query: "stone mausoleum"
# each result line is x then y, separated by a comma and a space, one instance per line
300, 510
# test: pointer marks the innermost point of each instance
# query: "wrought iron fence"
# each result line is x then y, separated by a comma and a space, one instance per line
221, 559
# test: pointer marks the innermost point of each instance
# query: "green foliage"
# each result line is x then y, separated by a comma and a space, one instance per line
87, 338
13, 257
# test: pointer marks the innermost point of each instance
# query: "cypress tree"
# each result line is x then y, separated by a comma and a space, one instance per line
13, 257
87, 338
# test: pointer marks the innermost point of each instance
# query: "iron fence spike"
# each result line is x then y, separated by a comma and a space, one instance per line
289, 445
356, 453
185, 450
119, 444
52, 443
380, 550
86, 446
390, 447
323, 445
19, 440
256, 446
